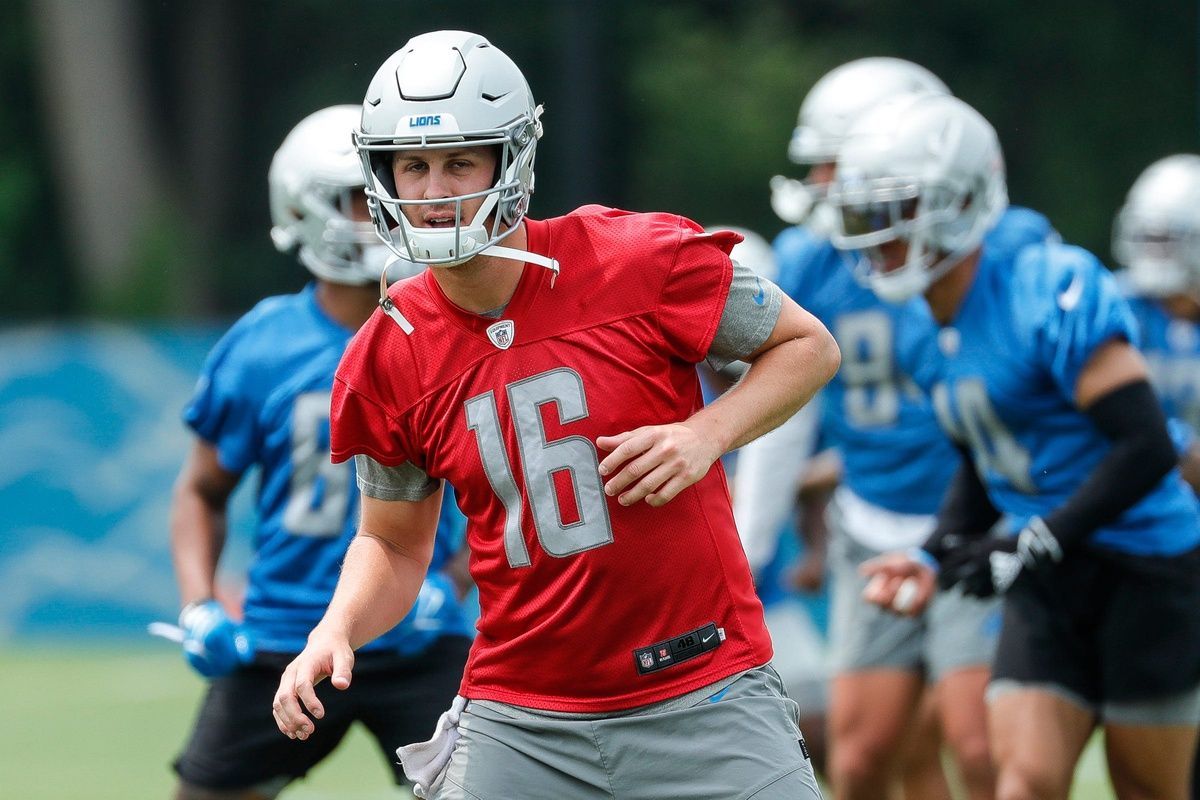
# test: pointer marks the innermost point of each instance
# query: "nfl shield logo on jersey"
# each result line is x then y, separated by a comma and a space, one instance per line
501, 333
646, 660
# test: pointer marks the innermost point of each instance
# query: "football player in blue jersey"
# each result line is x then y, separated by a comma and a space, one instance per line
263, 401
1068, 501
1156, 238
896, 464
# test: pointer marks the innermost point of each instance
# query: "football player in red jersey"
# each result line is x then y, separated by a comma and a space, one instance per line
547, 370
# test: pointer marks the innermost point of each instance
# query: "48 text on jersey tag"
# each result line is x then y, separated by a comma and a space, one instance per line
678, 649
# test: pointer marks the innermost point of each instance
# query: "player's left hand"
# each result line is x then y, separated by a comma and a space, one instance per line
213, 644
655, 462
899, 582
989, 566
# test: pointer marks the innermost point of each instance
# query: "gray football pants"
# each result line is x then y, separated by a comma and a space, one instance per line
742, 741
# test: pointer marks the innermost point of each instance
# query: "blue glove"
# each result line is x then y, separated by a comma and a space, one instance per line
991, 565
213, 644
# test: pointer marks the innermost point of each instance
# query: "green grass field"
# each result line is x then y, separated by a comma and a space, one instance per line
97, 724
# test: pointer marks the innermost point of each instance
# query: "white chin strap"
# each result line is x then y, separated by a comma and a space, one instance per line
495, 250
513, 254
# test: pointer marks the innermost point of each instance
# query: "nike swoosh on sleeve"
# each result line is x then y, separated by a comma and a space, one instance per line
1069, 298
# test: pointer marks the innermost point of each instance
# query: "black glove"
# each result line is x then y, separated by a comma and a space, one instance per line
990, 565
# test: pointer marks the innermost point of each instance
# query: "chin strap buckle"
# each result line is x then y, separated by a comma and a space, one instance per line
389, 307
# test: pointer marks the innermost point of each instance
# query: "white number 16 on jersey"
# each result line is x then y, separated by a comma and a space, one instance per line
540, 460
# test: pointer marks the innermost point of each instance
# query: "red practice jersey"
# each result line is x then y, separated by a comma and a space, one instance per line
587, 606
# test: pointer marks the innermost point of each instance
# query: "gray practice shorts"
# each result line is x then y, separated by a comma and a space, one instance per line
740, 740
954, 632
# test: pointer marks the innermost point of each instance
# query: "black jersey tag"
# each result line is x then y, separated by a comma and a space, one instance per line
678, 649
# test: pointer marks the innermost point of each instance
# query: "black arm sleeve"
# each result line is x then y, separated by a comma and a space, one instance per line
1142, 454
966, 509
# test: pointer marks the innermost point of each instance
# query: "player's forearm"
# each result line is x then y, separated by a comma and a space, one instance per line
377, 588
779, 382
1141, 455
197, 539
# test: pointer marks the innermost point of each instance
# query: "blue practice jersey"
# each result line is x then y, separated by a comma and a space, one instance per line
1172, 348
894, 453
263, 400
1002, 376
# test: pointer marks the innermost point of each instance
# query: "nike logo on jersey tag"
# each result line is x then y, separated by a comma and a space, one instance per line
1069, 297
502, 333
760, 295
669, 652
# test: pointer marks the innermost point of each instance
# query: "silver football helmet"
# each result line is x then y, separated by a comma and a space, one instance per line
450, 89
926, 170
1156, 236
312, 179
833, 104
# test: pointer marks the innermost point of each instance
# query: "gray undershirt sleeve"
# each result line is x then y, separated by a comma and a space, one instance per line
750, 314
405, 482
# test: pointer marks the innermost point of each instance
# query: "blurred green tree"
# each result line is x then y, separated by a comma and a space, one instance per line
685, 106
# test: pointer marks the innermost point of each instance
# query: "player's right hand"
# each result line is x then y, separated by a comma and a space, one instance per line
213, 644
326, 656
654, 462
899, 583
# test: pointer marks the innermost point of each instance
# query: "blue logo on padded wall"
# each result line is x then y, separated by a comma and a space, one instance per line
85, 551
428, 119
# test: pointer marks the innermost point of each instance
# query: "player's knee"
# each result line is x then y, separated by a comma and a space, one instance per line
1132, 784
857, 763
1030, 782
972, 753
